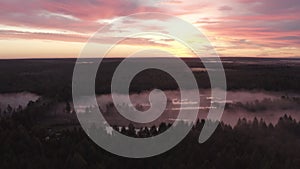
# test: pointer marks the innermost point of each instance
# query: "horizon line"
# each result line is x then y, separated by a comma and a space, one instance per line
166, 57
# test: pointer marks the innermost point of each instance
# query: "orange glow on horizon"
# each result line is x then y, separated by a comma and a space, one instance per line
235, 28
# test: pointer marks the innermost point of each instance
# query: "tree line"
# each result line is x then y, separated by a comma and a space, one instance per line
25, 143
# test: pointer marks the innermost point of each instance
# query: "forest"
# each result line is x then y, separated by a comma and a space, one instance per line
25, 143
53, 77
30, 140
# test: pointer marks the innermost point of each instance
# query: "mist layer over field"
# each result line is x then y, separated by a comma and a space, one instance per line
16, 99
239, 104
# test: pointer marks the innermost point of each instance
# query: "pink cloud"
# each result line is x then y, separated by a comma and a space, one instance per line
271, 23
276, 7
225, 8
33, 13
96, 9
9, 34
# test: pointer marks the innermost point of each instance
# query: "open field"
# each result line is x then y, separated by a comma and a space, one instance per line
53, 77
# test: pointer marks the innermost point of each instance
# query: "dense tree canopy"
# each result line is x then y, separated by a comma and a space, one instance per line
250, 144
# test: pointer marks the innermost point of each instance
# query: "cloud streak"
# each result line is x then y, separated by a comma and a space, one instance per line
250, 24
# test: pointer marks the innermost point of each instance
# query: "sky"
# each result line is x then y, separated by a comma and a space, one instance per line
235, 28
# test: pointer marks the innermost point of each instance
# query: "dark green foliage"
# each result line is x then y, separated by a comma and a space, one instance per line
53, 77
25, 143
250, 144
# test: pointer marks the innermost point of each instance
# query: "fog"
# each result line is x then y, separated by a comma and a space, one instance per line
239, 104
16, 99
